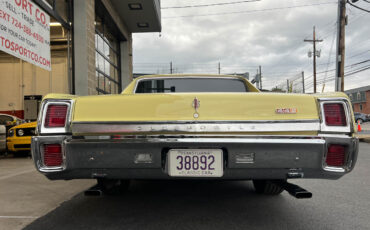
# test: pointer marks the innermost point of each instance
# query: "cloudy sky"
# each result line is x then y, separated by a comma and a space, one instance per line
245, 35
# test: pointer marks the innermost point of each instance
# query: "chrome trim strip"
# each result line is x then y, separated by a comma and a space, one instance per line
111, 128
201, 139
334, 169
251, 140
196, 122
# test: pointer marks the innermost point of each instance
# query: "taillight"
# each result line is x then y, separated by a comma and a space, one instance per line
336, 155
53, 155
56, 116
334, 114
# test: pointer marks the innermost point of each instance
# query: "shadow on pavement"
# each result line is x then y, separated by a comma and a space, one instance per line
175, 205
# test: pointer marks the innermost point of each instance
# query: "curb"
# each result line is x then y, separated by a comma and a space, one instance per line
364, 137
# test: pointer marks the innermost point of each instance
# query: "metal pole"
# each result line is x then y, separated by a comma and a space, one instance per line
314, 57
341, 23
219, 68
171, 70
314, 60
303, 90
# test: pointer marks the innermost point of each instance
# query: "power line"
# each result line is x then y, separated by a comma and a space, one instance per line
358, 7
250, 11
349, 73
208, 5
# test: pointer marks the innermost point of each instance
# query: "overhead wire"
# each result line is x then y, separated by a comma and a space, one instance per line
358, 7
208, 5
249, 11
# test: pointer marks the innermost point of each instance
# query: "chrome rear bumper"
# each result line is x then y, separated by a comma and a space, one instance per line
268, 157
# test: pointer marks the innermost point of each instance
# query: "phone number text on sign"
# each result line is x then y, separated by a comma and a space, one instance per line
25, 32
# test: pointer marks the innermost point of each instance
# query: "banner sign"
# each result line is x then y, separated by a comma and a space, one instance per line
25, 32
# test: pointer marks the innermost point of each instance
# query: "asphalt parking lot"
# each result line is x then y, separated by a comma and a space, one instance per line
29, 200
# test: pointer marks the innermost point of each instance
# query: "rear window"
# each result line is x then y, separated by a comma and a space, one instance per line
190, 85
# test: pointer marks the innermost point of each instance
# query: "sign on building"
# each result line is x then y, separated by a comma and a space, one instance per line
25, 32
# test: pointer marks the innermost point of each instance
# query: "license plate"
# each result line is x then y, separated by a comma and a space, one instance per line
195, 163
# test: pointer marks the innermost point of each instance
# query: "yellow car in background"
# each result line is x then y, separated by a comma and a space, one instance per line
19, 137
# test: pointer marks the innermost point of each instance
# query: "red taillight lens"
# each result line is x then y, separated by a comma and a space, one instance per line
334, 114
56, 116
53, 155
336, 155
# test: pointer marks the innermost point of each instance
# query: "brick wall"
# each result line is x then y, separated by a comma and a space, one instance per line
365, 105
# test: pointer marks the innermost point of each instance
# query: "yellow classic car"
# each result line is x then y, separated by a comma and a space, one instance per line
196, 126
19, 137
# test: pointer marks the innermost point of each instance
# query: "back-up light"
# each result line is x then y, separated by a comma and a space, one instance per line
53, 155
56, 116
336, 155
334, 114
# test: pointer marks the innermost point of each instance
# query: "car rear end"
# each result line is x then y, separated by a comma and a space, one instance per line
278, 137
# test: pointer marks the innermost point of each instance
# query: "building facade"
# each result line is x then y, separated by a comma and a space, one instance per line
91, 52
360, 99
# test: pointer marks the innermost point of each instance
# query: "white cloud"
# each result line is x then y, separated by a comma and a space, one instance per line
241, 42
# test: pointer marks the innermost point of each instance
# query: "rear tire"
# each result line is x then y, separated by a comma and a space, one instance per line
268, 187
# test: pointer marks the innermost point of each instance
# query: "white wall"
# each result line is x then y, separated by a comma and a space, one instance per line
19, 78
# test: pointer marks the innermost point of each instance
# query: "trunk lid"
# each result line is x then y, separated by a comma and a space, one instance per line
179, 107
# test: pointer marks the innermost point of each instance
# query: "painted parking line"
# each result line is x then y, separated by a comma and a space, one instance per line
17, 174
19, 217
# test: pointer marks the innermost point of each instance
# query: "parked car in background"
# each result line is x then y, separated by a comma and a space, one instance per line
2, 138
19, 138
9, 120
361, 117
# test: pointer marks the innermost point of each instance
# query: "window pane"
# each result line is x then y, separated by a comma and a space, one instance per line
100, 62
97, 78
106, 67
106, 49
101, 81
191, 85
116, 77
112, 57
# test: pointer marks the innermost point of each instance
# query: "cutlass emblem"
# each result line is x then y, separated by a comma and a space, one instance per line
196, 105
286, 111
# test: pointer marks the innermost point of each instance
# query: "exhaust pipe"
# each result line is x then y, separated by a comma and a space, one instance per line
94, 191
295, 190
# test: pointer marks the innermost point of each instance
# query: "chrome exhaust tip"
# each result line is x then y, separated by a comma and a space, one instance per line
94, 191
295, 190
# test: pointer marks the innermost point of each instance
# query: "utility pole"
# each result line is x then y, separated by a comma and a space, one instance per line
171, 70
260, 76
219, 68
314, 40
339, 74
303, 90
